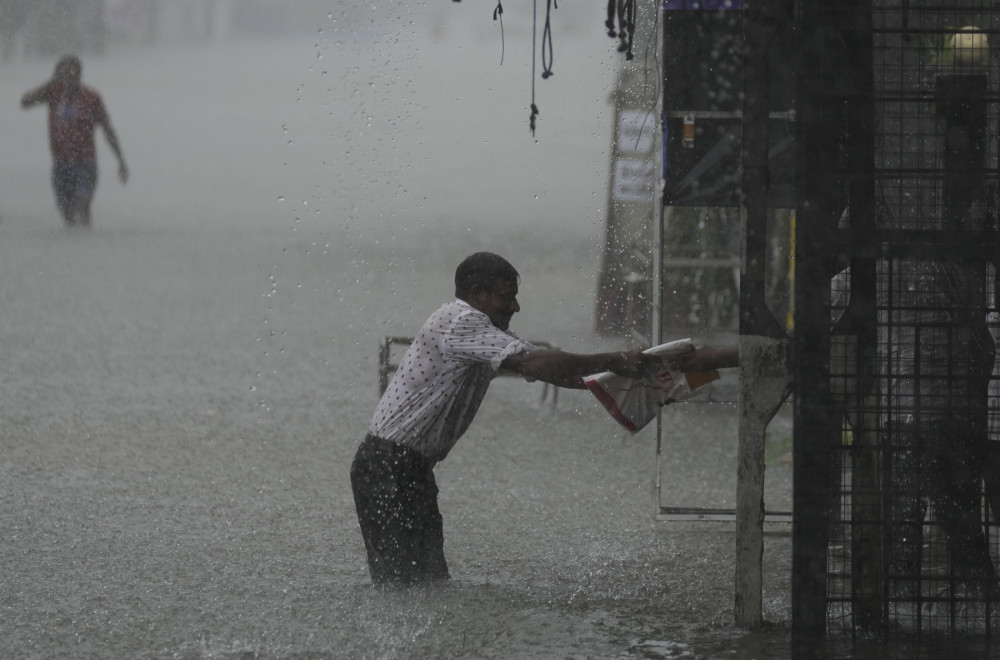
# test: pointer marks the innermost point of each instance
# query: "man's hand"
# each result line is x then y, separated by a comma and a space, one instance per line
123, 172
636, 364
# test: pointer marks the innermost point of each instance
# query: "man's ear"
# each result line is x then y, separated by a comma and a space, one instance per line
476, 293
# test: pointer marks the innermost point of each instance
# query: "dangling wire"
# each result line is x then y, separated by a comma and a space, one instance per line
651, 43
625, 11
546, 46
626, 26
630, 22
622, 26
547, 40
534, 40
498, 15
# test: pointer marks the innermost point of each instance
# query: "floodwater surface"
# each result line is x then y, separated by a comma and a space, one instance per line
185, 383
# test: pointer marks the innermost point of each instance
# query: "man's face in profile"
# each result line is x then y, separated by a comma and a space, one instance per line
499, 303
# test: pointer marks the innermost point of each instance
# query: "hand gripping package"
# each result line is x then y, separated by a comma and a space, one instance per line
634, 402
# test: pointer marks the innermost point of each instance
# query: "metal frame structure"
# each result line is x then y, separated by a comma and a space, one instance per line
899, 102
895, 111
737, 169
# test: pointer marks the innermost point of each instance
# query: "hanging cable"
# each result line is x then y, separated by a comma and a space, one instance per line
498, 15
534, 40
651, 43
610, 22
547, 40
630, 22
624, 11
622, 25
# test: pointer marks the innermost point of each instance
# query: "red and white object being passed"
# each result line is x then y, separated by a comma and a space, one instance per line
633, 402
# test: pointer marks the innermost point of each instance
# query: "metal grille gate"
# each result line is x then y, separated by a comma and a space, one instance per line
895, 281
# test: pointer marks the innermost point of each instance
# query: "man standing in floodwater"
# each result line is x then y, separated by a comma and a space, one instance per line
431, 401
74, 112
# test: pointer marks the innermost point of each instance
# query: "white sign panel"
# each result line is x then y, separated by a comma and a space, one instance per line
635, 131
634, 179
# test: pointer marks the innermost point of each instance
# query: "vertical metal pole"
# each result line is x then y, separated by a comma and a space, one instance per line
658, 233
867, 528
764, 349
658, 223
824, 77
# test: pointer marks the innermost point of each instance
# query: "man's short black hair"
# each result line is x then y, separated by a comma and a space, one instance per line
70, 61
484, 269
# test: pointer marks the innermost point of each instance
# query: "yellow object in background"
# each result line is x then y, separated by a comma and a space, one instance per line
969, 46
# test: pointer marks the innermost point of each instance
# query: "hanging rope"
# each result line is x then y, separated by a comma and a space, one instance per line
624, 10
547, 40
498, 15
622, 26
651, 43
630, 21
547, 52
534, 40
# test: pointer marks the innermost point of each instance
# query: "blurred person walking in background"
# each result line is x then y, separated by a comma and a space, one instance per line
74, 112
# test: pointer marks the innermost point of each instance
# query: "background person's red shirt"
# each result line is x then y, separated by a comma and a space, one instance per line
72, 121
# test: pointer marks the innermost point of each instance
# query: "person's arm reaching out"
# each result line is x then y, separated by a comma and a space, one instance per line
568, 369
35, 96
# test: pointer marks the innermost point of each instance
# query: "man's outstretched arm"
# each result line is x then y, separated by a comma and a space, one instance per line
35, 96
568, 369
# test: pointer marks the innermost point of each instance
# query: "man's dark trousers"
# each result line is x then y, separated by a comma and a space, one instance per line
396, 498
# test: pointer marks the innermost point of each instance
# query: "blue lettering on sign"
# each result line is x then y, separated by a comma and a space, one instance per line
706, 5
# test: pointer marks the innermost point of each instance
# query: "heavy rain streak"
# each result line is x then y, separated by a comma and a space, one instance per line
186, 379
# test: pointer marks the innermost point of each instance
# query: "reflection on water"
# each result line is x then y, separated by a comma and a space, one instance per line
477, 619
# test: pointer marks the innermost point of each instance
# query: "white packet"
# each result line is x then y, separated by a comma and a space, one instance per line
634, 402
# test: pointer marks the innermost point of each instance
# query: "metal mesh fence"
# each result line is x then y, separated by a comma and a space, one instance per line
915, 471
